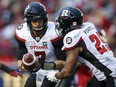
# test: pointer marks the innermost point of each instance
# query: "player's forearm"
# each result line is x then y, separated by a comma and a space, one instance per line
70, 65
63, 74
59, 64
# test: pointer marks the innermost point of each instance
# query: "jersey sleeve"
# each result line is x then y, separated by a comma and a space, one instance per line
71, 40
19, 33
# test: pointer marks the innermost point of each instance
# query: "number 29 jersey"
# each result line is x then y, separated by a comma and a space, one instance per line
97, 55
43, 49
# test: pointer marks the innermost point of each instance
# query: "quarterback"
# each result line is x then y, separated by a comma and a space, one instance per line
38, 37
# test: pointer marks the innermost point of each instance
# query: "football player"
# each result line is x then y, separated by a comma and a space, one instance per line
81, 77
39, 37
10, 71
82, 39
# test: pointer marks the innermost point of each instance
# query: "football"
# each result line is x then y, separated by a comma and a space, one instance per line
29, 61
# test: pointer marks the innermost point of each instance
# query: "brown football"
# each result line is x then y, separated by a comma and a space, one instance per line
29, 61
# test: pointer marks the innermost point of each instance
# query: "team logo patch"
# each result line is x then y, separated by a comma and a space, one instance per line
20, 27
37, 39
68, 40
44, 43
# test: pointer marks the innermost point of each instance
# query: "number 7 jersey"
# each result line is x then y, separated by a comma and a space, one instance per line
96, 53
43, 49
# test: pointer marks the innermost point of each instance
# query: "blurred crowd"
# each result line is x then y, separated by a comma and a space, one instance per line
100, 12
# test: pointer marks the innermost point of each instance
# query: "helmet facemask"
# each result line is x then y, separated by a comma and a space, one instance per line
39, 22
37, 19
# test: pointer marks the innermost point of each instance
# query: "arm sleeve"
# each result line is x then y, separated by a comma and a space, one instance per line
5, 68
21, 49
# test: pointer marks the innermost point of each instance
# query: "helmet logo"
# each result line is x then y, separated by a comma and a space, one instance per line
68, 40
20, 27
65, 13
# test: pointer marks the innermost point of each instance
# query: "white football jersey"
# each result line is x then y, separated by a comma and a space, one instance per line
41, 48
97, 54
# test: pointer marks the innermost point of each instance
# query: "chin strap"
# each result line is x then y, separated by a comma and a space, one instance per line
49, 66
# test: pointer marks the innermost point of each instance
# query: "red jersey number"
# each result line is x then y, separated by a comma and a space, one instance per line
41, 55
96, 38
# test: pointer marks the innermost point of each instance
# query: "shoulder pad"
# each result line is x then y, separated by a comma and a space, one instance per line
21, 31
71, 40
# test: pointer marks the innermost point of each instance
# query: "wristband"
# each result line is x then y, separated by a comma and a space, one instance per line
45, 66
49, 66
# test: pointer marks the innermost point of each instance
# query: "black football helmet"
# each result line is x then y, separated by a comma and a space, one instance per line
68, 18
34, 12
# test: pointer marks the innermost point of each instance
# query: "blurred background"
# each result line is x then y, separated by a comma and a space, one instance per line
100, 12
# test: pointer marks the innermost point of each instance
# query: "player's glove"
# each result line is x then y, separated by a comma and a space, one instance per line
51, 76
15, 73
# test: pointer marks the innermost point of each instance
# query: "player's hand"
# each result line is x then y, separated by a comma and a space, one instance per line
51, 76
15, 74
20, 66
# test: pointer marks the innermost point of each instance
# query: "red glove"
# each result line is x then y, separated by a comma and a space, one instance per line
15, 74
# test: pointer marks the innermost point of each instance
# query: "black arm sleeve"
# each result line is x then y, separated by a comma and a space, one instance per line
21, 49
60, 54
6, 68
